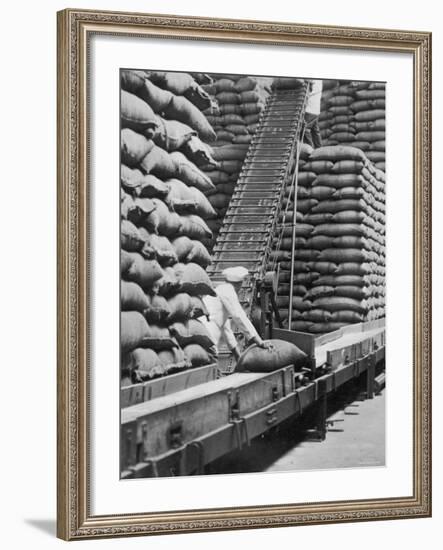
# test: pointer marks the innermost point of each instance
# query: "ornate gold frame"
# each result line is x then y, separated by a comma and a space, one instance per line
74, 518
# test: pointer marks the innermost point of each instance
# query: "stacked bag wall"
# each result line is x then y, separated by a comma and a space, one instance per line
339, 263
234, 116
164, 209
353, 113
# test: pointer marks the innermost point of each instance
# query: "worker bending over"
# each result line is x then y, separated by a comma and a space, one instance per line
224, 307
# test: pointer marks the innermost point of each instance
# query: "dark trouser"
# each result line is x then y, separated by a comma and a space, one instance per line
315, 134
312, 125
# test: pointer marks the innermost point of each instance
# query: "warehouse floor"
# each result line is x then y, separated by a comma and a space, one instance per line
357, 440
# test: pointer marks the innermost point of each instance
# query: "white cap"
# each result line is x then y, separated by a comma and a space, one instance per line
235, 274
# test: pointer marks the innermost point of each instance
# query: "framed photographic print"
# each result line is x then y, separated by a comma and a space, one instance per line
243, 274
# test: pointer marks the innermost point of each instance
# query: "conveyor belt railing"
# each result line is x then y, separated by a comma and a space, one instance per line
291, 203
251, 221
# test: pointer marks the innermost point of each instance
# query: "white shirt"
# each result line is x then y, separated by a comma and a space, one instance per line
314, 98
222, 308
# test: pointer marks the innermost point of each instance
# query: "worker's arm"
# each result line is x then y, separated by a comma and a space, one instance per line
230, 338
230, 300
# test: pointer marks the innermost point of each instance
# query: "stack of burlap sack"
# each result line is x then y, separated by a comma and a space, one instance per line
234, 116
163, 212
339, 262
353, 113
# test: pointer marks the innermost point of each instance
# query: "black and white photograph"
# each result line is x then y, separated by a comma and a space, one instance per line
252, 323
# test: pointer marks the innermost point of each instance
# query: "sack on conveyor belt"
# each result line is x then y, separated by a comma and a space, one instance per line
256, 359
137, 115
192, 332
193, 279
